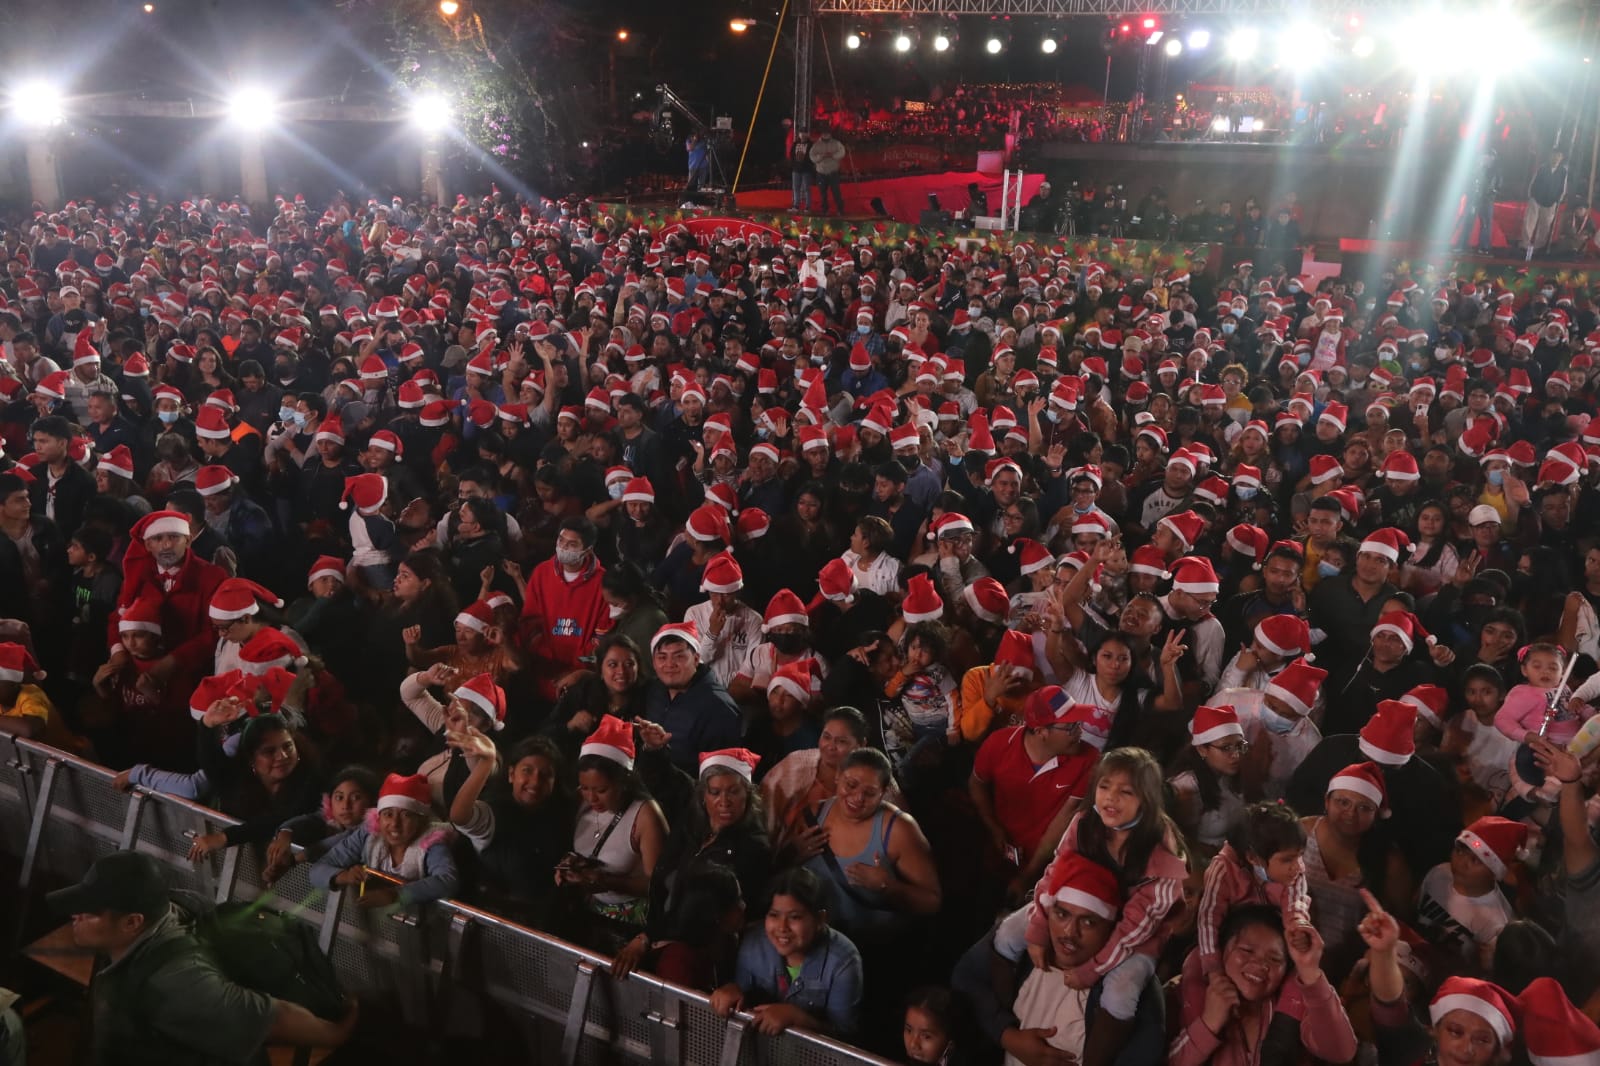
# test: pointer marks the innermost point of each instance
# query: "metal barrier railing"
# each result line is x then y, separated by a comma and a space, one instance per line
59, 813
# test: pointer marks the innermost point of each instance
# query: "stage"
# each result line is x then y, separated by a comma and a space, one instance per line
904, 198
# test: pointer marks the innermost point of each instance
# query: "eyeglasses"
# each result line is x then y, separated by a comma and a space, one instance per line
1232, 749
1012, 516
1207, 602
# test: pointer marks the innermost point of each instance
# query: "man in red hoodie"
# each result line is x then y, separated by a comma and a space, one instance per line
562, 607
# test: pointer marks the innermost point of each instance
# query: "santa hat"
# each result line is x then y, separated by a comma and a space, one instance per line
159, 523
1325, 468
326, 566
612, 739
143, 615
1251, 541
212, 423
388, 442
214, 479
1388, 542
1035, 556
784, 609
687, 632
1297, 685
1336, 414
237, 598
406, 794
1399, 466
1194, 575
118, 461
1284, 634
83, 350
836, 583
1093, 523
1185, 525
639, 490
211, 689
477, 616
709, 522
1555, 1032
1211, 724
481, 693
1488, 1001
1365, 780
1495, 841
1389, 735
950, 523
799, 679
1016, 650
368, 491
1081, 883
268, 648
1147, 559
722, 574
1404, 625
741, 761
1430, 702
331, 429
922, 602
17, 664
987, 599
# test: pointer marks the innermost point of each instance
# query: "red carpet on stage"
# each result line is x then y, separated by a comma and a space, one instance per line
904, 198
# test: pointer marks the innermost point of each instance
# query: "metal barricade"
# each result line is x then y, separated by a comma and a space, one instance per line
61, 812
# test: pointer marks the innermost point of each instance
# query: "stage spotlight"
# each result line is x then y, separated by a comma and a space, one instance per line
902, 43
853, 41
1304, 41
1155, 38
993, 46
1364, 46
1242, 44
1174, 47
149, 9
739, 25
1199, 39
1148, 23
38, 103
448, 8
1048, 46
430, 112
941, 43
252, 108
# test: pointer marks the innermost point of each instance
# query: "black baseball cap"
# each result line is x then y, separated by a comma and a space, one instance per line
126, 882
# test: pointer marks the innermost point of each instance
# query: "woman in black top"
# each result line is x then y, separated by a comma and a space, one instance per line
725, 827
268, 782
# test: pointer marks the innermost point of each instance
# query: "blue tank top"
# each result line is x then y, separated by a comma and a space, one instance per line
857, 911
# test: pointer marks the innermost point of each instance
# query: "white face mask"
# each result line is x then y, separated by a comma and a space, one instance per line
615, 489
613, 610
570, 559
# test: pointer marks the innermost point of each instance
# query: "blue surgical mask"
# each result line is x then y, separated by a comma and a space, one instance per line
1326, 569
1245, 492
1276, 723
287, 414
1259, 870
1304, 359
168, 417
1228, 328
1497, 477
863, 330
1051, 415
615, 489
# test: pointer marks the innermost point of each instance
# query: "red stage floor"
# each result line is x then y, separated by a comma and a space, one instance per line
904, 198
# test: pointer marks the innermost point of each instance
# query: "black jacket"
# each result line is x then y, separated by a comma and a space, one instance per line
71, 493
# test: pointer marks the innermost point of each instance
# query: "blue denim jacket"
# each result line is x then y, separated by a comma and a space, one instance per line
829, 985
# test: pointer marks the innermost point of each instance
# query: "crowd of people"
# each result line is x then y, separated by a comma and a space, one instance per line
977, 116
963, 652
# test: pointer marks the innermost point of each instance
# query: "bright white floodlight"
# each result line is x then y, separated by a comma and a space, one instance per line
1048, 46
902, 43
993, 46
38, 103
430, 112
941, 43
252, 108
1174, 47
1242, 44
1199, 40
1364, 47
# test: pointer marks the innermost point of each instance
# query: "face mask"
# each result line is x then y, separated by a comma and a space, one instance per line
613, 610
616, 490
763, 434
570, 559
516, 242
1259, 870
975, 311
1547, 292
167, 417
863, 330
1246, 492
1497, 477
1327, 570
1294, 286
1442, 354
790, 643
1082, 510
1052, 416
287, 414
1304, 359
1228, 328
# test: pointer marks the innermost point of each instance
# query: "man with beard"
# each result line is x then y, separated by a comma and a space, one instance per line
160, 565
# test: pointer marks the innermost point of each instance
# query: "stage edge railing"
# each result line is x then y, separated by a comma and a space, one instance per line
59, 812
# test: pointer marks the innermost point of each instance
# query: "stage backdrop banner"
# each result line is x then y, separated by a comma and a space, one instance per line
712, 228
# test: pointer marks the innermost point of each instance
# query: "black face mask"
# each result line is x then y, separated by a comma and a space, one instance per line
790, 643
